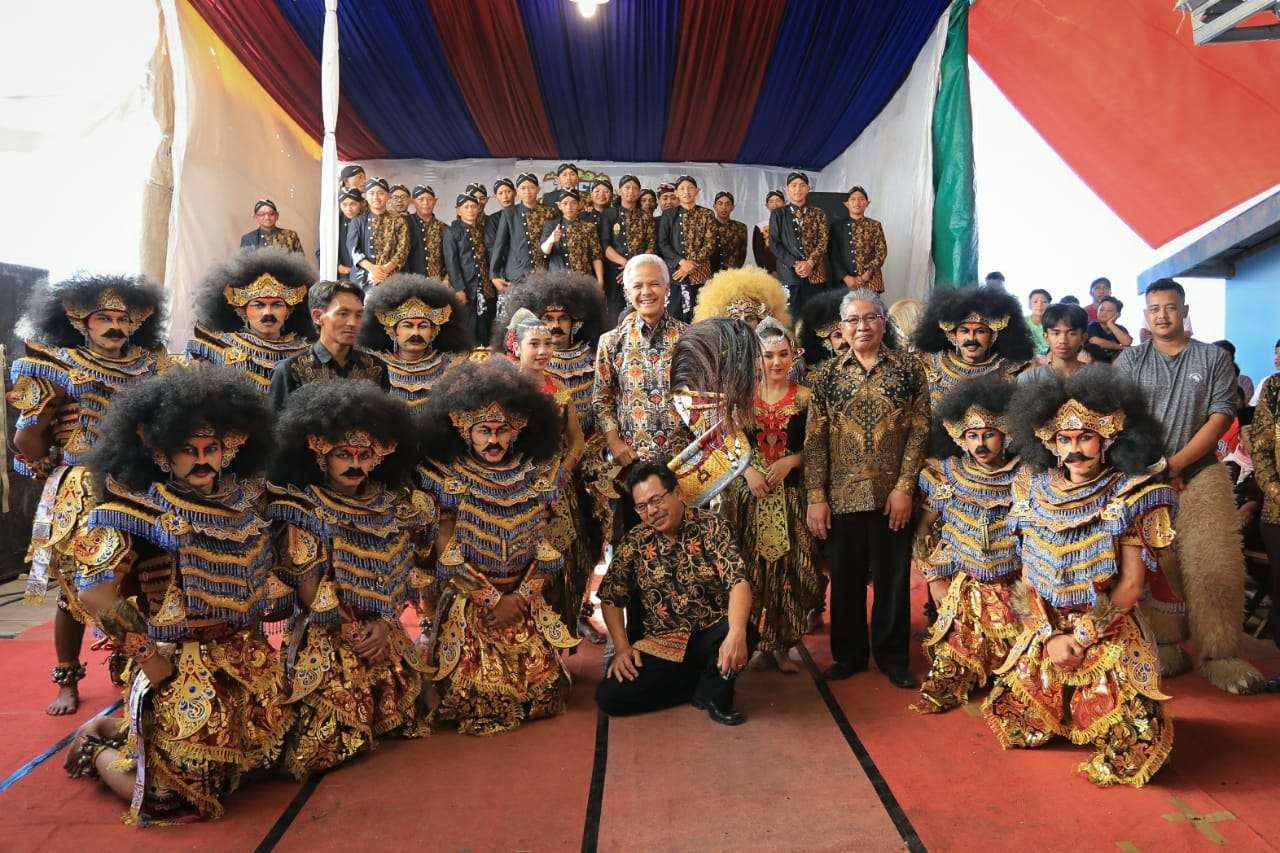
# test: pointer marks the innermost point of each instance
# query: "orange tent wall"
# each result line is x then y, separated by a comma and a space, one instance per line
1168, 134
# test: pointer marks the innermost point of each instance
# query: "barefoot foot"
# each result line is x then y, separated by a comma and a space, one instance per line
66, 702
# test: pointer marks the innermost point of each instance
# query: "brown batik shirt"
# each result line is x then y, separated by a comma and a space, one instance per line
731, 245
432, 231
578, 247
683, 582
867, 431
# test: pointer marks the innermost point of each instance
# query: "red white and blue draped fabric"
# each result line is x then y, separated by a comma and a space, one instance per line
775, 82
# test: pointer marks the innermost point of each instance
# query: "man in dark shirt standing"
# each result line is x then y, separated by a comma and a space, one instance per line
571, 242
350, 205
567, 178
267, 234
377, 239
798, 238
625, 231
764, 257
1190, 387
337, 309
515, 251
857, 245
682, 565
466, 257
686, 239
504, 192
731, 236
426, 236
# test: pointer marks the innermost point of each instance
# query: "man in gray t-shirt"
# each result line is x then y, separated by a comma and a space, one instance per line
1190, 389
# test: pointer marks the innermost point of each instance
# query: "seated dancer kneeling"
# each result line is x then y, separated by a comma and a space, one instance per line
491, 435
350, 535
1090, 512
682, 565
173, 567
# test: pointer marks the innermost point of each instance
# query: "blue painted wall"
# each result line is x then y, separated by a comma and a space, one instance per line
1253, 312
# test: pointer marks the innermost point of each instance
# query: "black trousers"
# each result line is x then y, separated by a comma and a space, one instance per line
799, 294
859, 545
663, 683
1271, 539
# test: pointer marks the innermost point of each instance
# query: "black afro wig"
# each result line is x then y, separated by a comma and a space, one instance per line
454, 336
1135, 450
474, 385
242, 269
578, 294
990, 392
46, 320
722, 356
162, 412
952, 306
332, 409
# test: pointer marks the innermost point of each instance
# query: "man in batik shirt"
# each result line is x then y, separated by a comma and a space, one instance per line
426, 236
686, 239
731, 236
267, 234
516, 252
625, 231
865, 441
466, 257
377, 239
571, 242
858, 249
250, 313
93, 336
798, 239
682, 566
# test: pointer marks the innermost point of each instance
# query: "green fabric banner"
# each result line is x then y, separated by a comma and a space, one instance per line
955, 226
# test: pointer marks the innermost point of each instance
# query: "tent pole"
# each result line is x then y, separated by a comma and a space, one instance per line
329, 147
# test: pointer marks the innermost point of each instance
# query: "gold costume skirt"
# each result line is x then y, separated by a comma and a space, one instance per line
568, 533
493, 679
221, 715
344, 704
1112, 702
970, 639
775, 543
64, 505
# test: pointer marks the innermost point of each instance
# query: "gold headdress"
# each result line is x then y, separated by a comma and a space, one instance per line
975, 417
322, 446
107, 300
414, 308
741, 293
995, 324
493, 413
232, 441
265, 285
1075, 415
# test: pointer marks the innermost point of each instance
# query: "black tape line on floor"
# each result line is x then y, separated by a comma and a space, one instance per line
282, 824
595, 794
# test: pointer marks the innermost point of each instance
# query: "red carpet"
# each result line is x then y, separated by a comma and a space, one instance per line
787, 780
962, 792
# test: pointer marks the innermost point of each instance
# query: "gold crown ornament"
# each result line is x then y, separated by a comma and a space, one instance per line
265, 285
1075, 415
108, 299
414, 308
493, 413
743, 307
974, 417
322, 446
995, 324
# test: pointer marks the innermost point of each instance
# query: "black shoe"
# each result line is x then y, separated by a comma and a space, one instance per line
724, 716
840, 670
902, 678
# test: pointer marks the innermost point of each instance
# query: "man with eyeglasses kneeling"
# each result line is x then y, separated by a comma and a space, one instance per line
695, 639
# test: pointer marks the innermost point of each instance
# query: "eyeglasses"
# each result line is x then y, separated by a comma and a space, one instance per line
869, 320
651, 505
